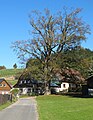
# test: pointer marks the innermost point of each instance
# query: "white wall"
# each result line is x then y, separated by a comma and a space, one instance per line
64, 87
25, 90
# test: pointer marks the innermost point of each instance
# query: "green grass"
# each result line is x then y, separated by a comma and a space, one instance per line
8, 103
64, 108
9, 72
3, 106
12, 82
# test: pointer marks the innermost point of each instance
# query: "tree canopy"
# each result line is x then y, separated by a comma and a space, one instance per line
78, 59
52, 34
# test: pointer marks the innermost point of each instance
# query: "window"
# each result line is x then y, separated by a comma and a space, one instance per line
72, 85
29, 90
28, 81
21, 90
64, 85
4, 85
20, 82
1, 85
24, 81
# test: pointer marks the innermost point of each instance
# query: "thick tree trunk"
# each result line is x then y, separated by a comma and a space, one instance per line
47, 90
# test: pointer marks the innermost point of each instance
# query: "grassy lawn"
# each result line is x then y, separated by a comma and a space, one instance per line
64, 108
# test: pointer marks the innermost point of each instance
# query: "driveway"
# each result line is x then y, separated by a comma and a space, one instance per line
23, 109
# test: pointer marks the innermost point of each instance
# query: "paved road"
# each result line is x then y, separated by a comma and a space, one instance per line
23, 109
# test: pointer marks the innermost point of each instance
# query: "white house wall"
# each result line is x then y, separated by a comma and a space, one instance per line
4, 92
25, 90
64, 87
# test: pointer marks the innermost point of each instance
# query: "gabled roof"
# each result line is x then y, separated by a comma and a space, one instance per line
90, 82
2, 79
30, 84
91, 77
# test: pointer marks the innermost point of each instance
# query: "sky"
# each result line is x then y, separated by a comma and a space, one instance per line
14, 22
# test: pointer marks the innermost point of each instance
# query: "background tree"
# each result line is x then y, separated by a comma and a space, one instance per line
15, 66
52, 34
34, 67
80, 59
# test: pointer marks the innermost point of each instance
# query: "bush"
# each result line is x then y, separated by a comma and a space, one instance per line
15, 91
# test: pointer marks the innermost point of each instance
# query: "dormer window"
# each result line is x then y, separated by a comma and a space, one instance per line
1, 85
28, 81
21, 82
4, 85
24, 81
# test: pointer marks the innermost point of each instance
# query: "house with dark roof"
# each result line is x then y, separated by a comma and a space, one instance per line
61, 86
87, 88
90, 82
69, 80
27, 85
4, 87
89, 85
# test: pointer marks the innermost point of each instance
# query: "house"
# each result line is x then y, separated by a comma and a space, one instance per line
61, 86
65, 86
69, 79
90, 82
89, 86
4, 87
27, 85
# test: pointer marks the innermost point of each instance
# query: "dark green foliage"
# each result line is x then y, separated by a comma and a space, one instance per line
79, 59
15, 66
15, 91
34, 67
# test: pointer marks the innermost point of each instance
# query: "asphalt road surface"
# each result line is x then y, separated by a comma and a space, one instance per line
23, 109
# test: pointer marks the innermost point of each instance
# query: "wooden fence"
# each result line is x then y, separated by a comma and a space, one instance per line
5, 98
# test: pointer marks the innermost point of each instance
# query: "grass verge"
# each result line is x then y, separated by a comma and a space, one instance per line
64, 108
8, 103
3, 106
